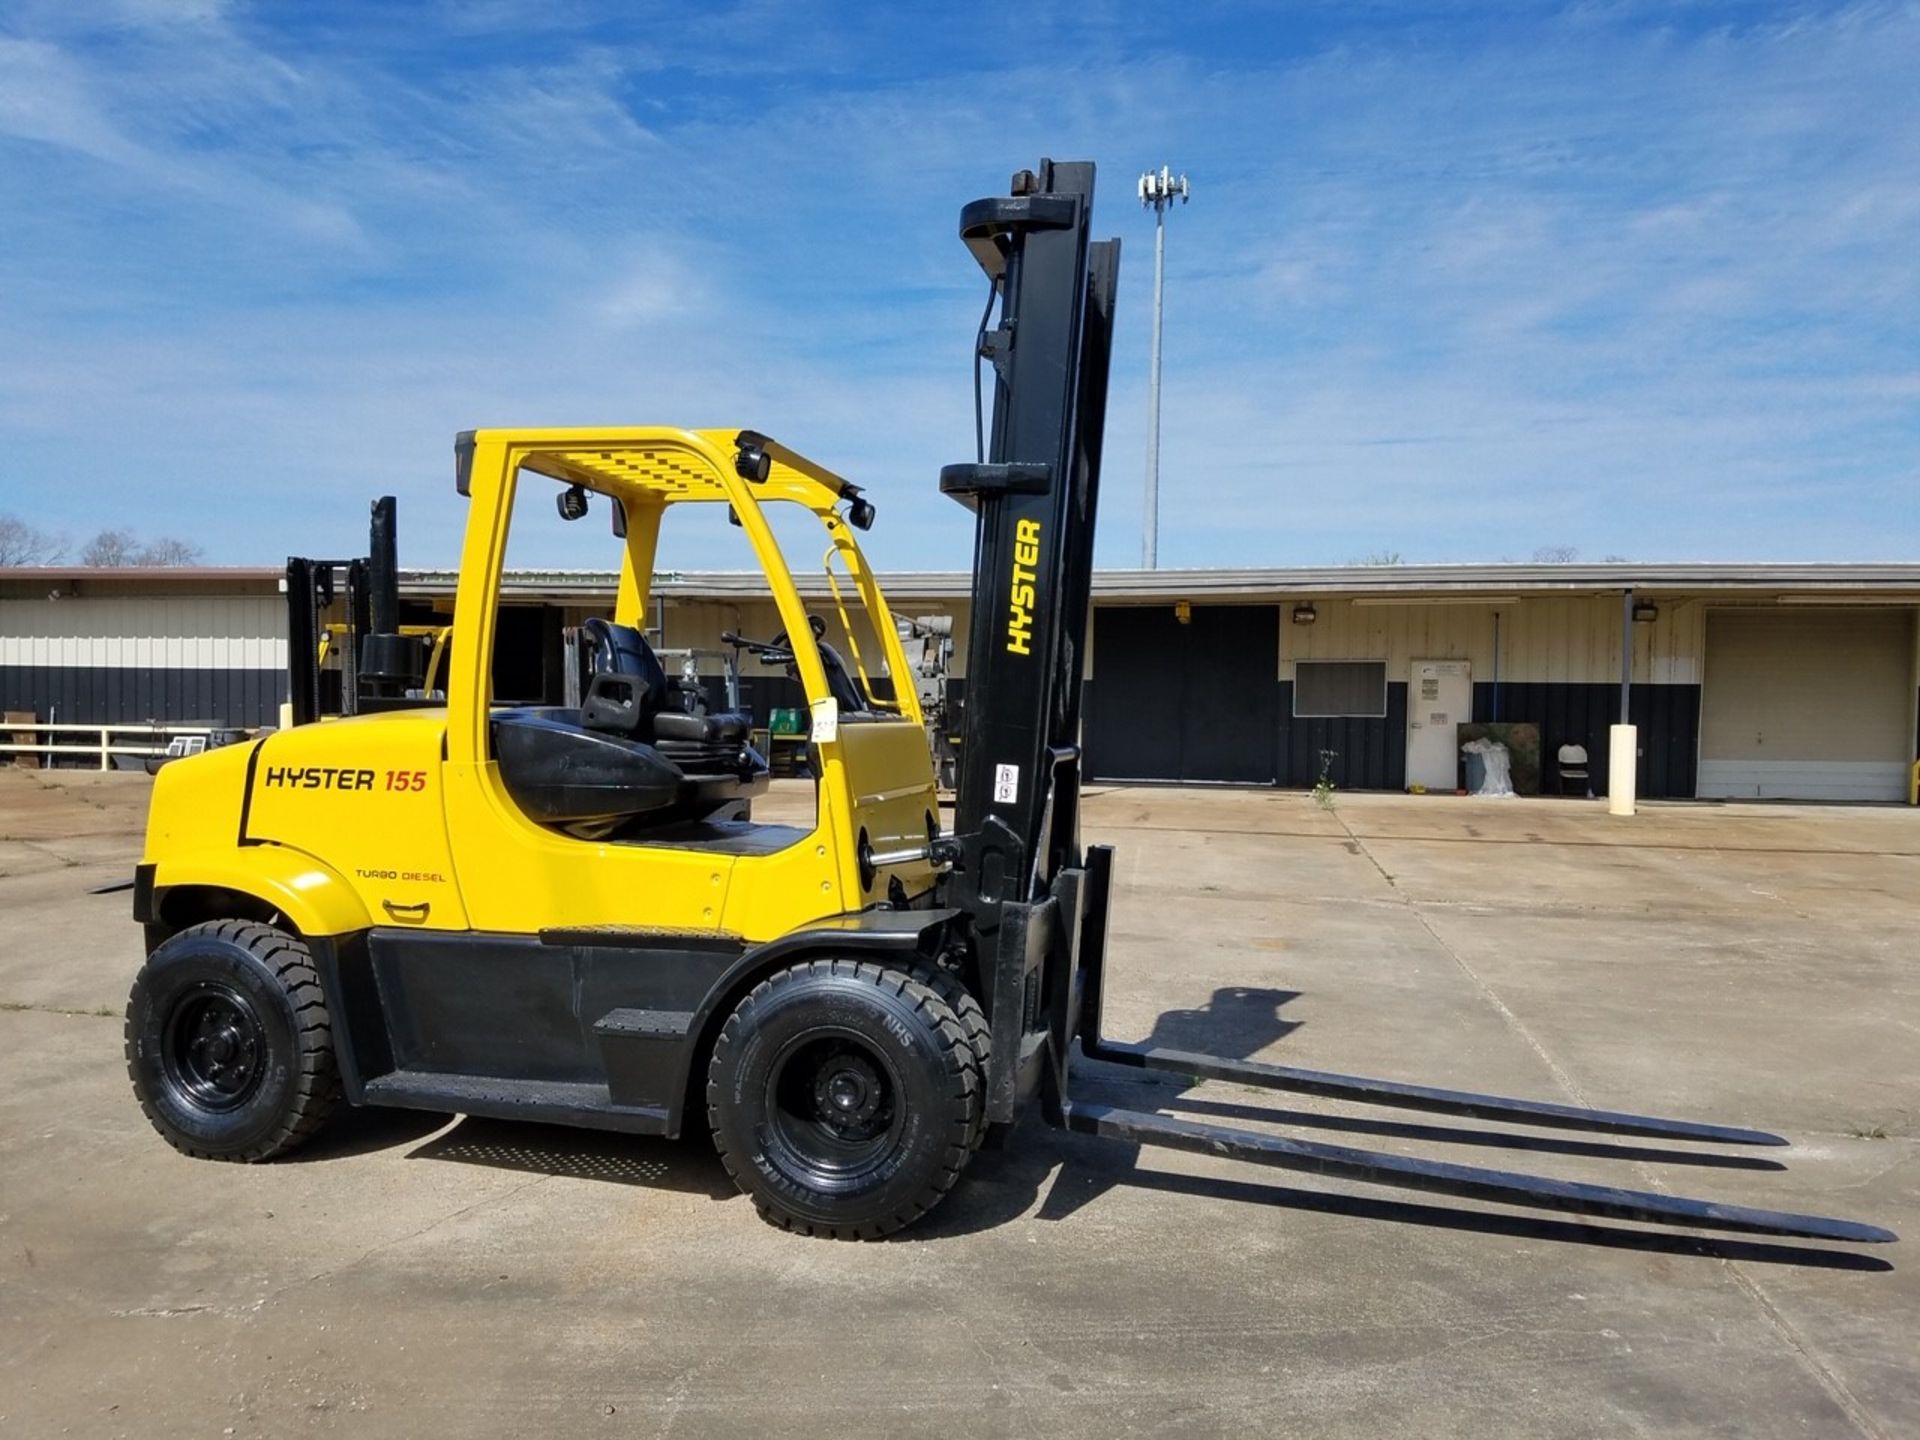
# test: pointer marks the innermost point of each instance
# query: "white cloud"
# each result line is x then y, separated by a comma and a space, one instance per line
1449, 297
44, 98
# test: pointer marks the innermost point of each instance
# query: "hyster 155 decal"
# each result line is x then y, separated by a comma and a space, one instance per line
1026, 555
335, 777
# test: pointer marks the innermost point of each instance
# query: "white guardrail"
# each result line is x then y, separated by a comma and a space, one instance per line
160, 740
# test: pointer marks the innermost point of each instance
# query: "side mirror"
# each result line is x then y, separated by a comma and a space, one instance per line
860, 514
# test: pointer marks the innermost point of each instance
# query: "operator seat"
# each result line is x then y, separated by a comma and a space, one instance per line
630, 694
641, 750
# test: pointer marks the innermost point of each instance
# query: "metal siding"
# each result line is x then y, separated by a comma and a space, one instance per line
118, 658
1367, 753
1580, 714
1396, 634
138, 632
120, 695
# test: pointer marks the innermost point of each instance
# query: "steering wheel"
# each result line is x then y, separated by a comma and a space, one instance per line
779, 651
769, 652
814, 623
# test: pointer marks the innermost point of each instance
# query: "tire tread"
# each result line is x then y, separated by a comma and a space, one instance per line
954, 1019
317, 1087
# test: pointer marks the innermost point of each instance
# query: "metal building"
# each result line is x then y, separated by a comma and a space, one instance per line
98, 646
1746, 681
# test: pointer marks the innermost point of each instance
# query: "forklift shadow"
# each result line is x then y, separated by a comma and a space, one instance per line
366, 1130
1002, 1186
1002, 1183
1239, 1021
606, 1156
1065, 1172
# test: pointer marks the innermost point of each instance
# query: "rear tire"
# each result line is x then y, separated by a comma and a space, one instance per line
229, 1044
845, 1097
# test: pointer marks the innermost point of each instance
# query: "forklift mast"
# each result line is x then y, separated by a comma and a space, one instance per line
1035, 492
1035, 903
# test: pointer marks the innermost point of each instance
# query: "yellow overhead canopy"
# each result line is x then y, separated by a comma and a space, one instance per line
667, 465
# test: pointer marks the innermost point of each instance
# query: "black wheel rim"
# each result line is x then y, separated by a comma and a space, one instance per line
833, 1109
215, 1048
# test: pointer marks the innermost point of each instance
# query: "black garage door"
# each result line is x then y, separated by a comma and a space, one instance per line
1191, 702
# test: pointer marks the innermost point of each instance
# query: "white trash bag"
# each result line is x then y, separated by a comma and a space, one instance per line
1496, 767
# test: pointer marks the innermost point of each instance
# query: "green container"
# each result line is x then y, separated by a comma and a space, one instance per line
790, 721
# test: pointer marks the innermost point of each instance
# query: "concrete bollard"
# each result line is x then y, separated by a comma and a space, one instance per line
1623, 767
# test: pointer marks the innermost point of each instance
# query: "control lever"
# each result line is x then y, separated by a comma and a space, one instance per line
770, 654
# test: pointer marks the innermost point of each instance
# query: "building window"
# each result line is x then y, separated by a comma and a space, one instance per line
1329, 689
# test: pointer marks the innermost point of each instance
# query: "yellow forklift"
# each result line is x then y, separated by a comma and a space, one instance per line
557, 913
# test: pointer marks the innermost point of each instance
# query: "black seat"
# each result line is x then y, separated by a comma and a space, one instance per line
629, 694
626, 683
639, 752
704, 729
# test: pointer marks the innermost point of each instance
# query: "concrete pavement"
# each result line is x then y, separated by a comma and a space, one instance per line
424, 1276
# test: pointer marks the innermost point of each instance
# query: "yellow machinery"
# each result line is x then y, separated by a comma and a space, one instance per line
334, 636
457, 877
563, 913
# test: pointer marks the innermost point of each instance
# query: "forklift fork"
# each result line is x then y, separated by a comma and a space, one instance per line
1375, 1167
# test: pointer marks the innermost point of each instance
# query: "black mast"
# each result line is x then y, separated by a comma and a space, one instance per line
1036, 494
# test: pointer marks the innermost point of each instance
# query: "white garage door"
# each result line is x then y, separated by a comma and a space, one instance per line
1807, 704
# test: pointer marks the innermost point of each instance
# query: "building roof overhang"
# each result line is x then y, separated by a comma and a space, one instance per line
1893, 582
1463, 584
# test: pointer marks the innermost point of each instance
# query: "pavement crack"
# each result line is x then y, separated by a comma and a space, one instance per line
1823, 1376
21, 1007
334, 1270
1783, 1329
161, 1312
1486, 992
40, 847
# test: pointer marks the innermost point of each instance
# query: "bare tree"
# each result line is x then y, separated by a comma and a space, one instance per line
111, 547
122, 547
1379, 557
169, 552
1556, 554
23, 544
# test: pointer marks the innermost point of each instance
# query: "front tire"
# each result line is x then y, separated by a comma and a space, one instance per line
845, 1097
229, 1044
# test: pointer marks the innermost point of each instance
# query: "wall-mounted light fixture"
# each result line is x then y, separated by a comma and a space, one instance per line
1646, 612
1183, 611
1304, 615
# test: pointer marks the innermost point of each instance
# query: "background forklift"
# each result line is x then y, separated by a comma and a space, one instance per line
546, 912
365, 660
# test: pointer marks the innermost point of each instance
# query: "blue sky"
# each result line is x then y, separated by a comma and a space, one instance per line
1458, 280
